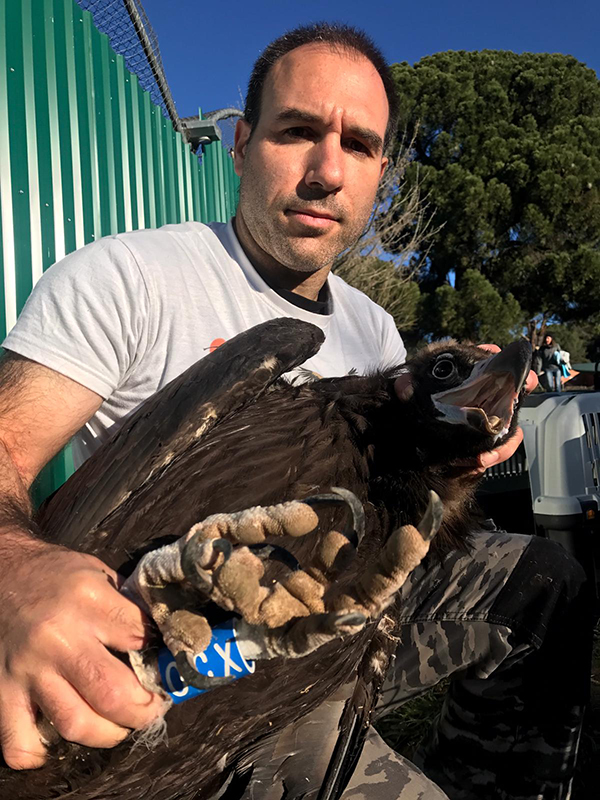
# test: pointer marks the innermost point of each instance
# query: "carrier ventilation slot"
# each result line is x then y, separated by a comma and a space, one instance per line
591, 424
515, 465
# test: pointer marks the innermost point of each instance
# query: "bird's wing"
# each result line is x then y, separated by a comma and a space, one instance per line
293, 763
211, 389
358, 710
315, 756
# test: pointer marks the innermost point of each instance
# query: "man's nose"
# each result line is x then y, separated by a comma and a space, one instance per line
325, 169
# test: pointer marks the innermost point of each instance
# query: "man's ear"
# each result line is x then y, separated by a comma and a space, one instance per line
384, 163
243, 130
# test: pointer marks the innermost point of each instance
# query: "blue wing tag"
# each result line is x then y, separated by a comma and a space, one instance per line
222, 658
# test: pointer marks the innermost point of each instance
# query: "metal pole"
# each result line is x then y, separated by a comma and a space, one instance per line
159, 75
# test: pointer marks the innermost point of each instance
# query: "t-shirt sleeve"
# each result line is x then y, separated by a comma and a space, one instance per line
393, 349
87, 317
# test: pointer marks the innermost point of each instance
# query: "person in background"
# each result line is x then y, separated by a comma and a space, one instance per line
550, 362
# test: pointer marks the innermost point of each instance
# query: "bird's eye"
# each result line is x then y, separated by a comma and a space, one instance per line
443, 369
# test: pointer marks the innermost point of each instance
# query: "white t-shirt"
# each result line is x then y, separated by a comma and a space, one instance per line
125, 315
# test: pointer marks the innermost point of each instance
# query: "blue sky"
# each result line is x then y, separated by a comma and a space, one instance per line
208, 48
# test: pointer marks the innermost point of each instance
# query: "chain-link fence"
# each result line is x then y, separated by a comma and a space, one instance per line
128, 28
113, 18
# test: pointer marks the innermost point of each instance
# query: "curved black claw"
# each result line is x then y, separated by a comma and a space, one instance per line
338, 497
432, 518
192, 677
273, 552
223, 546
353, 619
200, 579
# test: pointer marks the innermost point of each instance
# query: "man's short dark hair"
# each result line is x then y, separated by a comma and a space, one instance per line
343, 37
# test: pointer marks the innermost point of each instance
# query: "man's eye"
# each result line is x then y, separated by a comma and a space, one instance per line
299, 132
356, 146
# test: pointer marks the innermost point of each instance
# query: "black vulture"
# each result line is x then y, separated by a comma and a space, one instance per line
230, 434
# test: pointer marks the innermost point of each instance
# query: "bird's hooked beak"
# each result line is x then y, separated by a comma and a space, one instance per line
487, 399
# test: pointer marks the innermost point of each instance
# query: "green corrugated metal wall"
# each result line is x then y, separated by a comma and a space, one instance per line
84, 153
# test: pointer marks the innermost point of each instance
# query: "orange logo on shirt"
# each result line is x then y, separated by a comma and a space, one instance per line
214, 344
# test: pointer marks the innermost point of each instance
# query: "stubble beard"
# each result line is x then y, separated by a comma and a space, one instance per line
290, 251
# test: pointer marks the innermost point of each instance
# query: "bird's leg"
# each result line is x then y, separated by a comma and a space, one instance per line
404, 550
158, 586
347, 612
293, 616
222, 560
237, 582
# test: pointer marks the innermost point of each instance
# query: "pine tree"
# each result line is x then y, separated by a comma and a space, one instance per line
507, 150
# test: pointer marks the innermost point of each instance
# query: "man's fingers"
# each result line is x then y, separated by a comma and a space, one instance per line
503, 452
531, 382
124, 625
54, 656
95, 702
19, 736
485, 460
491, 348
72, 717
111, 688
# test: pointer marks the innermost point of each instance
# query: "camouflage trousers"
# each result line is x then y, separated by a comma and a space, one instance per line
510, 621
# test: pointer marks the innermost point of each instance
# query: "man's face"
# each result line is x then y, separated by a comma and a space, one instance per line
310, 171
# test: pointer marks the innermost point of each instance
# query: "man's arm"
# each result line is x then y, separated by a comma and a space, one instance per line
60, 610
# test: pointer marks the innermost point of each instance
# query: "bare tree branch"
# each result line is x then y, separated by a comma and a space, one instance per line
390, 279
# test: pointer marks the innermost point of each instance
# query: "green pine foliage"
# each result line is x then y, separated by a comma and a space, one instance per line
475, 311
507, 151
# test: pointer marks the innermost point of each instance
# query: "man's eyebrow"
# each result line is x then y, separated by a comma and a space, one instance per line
297, 114
373, 139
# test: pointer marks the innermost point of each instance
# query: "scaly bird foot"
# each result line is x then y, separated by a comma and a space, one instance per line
221, 560
348, 611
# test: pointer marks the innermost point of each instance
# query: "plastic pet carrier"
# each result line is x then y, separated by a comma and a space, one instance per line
551, 486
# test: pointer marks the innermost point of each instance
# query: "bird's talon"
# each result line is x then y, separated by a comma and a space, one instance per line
192, 677
353, 619
195, 552
223, 546
432, 518
338, 497
273, 552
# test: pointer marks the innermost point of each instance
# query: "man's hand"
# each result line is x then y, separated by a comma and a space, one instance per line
60, 612
509, 448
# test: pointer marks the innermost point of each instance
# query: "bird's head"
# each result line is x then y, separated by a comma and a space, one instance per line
463, 399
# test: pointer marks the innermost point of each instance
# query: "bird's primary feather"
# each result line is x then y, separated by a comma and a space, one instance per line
228, 435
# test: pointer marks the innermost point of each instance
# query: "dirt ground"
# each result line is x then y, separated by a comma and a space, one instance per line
404, 728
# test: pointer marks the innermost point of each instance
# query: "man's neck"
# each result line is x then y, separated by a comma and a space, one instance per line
275, 274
